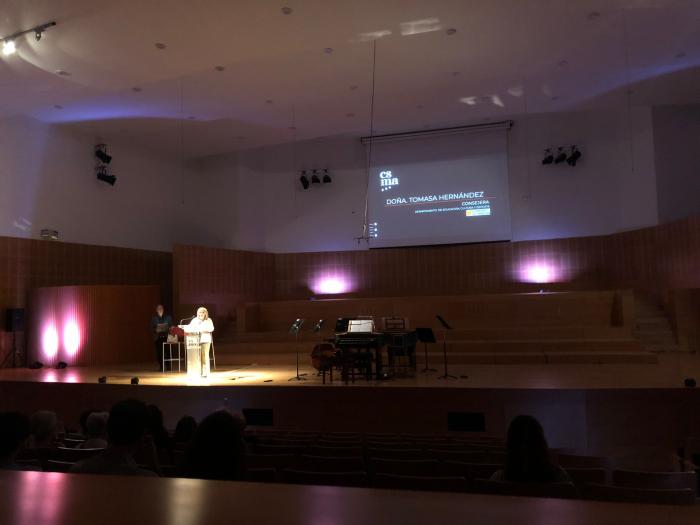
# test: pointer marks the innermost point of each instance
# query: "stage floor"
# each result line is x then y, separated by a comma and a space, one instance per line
669, 372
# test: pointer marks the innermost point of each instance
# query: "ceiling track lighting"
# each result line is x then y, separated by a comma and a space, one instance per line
9, 42
307, 178
561, 156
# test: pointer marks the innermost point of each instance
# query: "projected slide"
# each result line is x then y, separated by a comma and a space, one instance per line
440, 190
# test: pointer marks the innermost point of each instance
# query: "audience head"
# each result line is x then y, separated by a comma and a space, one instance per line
127, 424
96, 425
528, 454
14, 431
185, 429
44, 427
216, 451
157, 428
160, 310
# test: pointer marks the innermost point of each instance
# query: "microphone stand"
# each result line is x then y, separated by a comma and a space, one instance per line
294, 329
445, 328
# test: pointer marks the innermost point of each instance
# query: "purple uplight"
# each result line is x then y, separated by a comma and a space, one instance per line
331, 284
539, 272
71, 337
49, 341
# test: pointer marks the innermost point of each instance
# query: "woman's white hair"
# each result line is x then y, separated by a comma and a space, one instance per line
206, 312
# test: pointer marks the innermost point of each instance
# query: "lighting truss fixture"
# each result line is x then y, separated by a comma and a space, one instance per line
548, 157
103, 176
326, 177
314, 178
304, 180
561, 156
101, 153
9, 42
574, 156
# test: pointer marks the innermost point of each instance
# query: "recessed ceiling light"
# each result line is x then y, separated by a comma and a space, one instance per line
219, 68
136, 89
286, 10
353, 88
680, 55
450, 31
62, 73
269, 101
328, 50
58, 106
593, 15
8, 47
160, 45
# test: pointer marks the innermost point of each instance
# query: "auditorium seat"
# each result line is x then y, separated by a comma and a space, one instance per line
635, 495
263, 448
581, 476
469, 471
72, 455
275, 461
58, 466
468, 456
340, 479
577, 461
405, 467
392, 445
398, 453
433, 483
533, 490
73, 443
655, 480
330, 464
337, 452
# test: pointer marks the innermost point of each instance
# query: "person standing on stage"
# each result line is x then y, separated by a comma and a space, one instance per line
160, 325
198, 362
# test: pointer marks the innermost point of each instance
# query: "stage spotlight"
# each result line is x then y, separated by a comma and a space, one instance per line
574, 157
548, 157
561, 156
8, 47
304, 180
314, 178
105, 177
102, 380
134, 380
326, 177
38, 34
61, 365
36, 365
101, 153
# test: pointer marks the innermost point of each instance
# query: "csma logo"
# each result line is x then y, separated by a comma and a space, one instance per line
387, 180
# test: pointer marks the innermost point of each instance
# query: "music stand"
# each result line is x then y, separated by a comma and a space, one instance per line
425, 336
294, 329
445, 328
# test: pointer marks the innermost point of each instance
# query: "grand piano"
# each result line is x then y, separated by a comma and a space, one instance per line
356, 339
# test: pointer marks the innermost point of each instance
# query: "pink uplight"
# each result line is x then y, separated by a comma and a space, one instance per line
49, 341
539, 272
71, 337
331, 285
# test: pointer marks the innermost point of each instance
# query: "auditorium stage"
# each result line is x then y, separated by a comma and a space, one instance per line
669, 372
609, 409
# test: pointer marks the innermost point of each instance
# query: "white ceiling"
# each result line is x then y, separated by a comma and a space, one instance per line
507, 58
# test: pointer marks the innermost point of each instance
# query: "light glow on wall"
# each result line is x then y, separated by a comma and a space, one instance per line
539, 272
71, 337
331, 284
49, 341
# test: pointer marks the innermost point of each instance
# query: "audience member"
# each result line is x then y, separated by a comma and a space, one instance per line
96, 431
217, 449
527, 459
83, 420
44, 429
185, 429
14, 431
126, 431
161, 438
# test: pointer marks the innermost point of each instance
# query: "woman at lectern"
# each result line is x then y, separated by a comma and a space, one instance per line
198, 361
